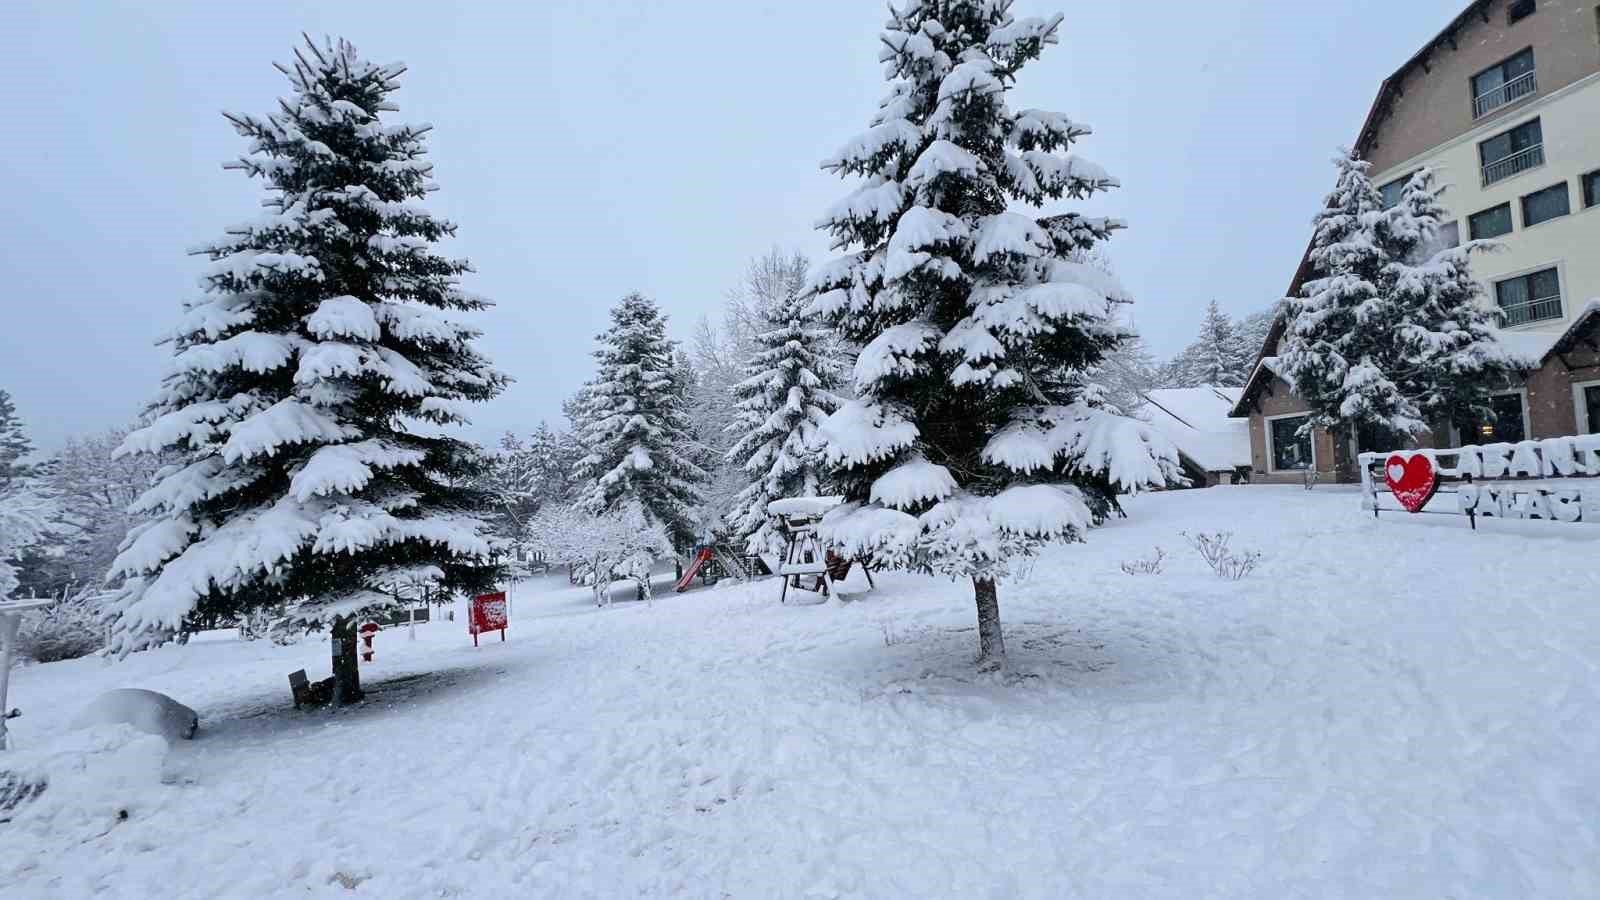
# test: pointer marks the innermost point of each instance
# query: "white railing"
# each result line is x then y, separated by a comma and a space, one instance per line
1522, 161
1530, 311
1515, 89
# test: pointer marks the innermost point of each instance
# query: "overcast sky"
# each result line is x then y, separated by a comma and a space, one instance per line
588, 148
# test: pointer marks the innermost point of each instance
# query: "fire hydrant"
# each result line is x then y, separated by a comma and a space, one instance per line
368, 632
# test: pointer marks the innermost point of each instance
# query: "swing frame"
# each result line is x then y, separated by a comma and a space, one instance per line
804, 556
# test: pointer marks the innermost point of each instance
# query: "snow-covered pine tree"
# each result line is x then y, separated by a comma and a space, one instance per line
968, 448
1451, 362
1339, 348
634, 425
27, 513
551, 456
1251, 332
1126, 374
300, 377
1216, 356
14, 443
787, 392
1220, 350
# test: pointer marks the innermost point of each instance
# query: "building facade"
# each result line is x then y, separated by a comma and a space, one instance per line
1504, 105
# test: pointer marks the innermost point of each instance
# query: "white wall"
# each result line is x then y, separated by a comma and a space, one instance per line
1570, 120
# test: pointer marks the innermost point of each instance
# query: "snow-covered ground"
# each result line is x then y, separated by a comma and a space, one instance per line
1384, 709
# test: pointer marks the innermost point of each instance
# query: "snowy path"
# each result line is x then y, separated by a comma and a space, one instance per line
1383, 710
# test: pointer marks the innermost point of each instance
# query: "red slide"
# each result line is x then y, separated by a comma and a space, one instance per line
694, 569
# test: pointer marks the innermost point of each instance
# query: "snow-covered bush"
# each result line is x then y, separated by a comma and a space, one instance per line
1146, 565
69, 629
601, 548
1213, 548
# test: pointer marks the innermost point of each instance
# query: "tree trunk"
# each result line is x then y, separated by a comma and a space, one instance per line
991, 645
346, 668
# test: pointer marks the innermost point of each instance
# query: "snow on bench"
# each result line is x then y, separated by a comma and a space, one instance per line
803, 507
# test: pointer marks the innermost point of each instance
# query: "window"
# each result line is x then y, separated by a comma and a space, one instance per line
1448, 237
1533, 297
1542, 206
1394, 190
1491, 223
1507, 425
1511, 152
1505, 82
1587, 396
1519, 10
1591, 189
1290, 450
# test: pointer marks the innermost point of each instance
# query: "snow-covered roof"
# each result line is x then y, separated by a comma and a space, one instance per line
1533, 346
1197, 420
1529, 347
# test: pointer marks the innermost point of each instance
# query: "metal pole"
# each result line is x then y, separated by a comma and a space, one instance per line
9, 623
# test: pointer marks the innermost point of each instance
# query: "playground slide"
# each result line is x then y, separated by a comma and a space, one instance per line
693, 570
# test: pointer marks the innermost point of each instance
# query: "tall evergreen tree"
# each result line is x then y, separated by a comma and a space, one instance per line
300, 377
1451, 362
1340, 350
787, 393
1394, 334
1126, 374
634, 424
1217, 357
971, 443
1252, 333
14, 443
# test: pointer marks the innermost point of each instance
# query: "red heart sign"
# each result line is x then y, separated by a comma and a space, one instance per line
1413, 480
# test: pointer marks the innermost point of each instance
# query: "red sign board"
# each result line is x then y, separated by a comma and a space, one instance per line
488, 614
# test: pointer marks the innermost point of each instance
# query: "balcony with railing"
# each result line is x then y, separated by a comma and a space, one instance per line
1514, 314
1523, 85
1515, 164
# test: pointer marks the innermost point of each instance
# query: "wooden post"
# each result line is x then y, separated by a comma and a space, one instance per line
346, 668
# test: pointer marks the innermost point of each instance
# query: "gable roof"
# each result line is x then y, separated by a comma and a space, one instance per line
1197, 420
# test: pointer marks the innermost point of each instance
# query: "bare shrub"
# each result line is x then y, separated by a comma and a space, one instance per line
1213, 548
67, 630
1149, 565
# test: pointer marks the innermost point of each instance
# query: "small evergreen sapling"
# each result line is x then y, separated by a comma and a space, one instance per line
976, 437
309, 383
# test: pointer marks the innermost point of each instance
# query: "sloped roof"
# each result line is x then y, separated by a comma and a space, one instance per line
1197, 421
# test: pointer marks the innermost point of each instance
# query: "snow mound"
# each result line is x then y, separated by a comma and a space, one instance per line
85, 782
148, 711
